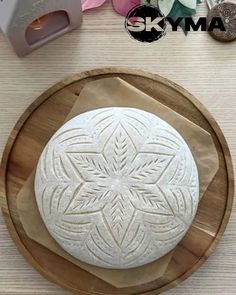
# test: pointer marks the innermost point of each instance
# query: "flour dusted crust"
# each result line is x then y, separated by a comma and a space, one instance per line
117, 187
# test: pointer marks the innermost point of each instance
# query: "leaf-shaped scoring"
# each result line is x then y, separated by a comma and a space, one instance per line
91, 167
148, 167
88, 198
119, 215
149, 200
119, 150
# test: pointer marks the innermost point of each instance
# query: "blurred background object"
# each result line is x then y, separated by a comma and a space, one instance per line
30, 24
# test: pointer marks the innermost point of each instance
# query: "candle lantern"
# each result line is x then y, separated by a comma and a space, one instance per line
30, 24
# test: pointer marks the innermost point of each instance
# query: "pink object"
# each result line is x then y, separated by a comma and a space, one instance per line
124, 6
89, 4
120, 6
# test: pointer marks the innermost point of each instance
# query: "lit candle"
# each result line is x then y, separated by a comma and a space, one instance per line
46, 25
25, 35
39, 23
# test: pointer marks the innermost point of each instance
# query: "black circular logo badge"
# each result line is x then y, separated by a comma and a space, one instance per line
145, 23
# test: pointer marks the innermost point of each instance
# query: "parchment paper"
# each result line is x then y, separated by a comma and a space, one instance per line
112, 92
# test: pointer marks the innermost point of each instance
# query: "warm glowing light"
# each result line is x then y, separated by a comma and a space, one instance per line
46, 26
40, 22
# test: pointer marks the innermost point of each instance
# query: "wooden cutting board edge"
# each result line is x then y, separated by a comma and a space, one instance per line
93, 73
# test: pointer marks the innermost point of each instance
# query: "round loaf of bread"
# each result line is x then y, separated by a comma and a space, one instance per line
117, 187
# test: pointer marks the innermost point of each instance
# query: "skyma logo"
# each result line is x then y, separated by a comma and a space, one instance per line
147, 24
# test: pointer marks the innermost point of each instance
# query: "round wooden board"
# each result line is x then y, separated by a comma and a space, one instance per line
46, 115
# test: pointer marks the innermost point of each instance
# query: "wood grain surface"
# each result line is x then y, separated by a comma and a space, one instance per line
46, 115
203, 66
